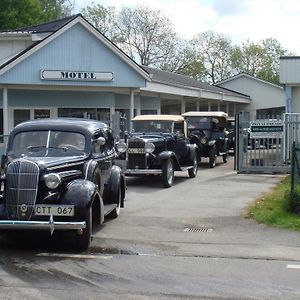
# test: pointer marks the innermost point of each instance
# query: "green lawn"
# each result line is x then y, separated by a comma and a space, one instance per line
274, 208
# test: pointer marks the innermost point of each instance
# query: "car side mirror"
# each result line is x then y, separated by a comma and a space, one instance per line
3, 161
100, 141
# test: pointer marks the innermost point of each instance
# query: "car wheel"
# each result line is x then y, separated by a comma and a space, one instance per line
212, 158
193, 171
225, 157
83, 240
116, 211
167, 173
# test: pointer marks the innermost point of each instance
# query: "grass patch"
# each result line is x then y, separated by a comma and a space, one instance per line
274, 208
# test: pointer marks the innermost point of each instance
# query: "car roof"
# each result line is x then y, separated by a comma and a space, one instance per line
174, 118
86, 126
218, 114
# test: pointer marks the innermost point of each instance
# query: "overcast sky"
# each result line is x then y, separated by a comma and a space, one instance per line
240, 20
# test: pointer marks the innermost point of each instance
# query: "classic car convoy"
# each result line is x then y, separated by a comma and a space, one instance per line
62, 174
59, 175
158, 145
207, 131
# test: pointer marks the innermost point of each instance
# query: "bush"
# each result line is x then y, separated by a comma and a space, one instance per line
294, 202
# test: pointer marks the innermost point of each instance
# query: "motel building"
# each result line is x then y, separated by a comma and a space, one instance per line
67, 68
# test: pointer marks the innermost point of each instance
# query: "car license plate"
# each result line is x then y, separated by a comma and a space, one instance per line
136, 150
54, 210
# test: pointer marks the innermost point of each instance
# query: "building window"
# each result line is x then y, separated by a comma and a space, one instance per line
21, 115
190, 105
41, 113
100, 114
170, 107
148, 112
24, 114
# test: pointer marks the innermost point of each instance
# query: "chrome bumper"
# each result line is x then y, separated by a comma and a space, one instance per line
143, 172
41, 225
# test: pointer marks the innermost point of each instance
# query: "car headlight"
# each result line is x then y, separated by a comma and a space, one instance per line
52, 180
121, 147
203, 140
149, 147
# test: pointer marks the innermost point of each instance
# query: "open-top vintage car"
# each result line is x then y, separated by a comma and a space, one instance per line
207, 131
59, 175
158, 145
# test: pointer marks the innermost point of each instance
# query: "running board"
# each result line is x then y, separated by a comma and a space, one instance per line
109, 208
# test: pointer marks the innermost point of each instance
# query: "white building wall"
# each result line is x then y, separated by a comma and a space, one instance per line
296, 99
8, 48
263, 95
289, 70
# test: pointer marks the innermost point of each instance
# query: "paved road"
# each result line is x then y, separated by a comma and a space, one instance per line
186, 242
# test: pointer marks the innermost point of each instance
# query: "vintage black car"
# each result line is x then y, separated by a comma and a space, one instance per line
231, 133
207, 131
59, 175
158, 145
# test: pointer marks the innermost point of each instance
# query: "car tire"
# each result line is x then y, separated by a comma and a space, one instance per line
225, 157
83, 240
193, 171
167, 173
116, 211
212, 158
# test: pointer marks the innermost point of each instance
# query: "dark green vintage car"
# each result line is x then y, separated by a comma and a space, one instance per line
158, 145
207, 131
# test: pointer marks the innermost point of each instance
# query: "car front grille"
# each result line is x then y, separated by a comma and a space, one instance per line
136, 159
21, 189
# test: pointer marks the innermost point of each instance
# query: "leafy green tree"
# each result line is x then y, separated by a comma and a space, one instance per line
212, 55
147, 36
56, 9
183, 60
19, 13
259, 59
104, 19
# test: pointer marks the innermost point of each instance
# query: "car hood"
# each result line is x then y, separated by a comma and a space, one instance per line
47, 162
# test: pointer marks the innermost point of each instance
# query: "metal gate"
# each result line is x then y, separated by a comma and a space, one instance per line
268, 154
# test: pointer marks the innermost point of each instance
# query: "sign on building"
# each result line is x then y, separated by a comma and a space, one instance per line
76, 75
266, 129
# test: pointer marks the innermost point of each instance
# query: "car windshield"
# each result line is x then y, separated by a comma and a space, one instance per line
61, 143
202, 123
157, 126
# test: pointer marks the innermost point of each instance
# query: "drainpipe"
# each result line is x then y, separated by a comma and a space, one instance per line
131, 108
5, 112
288, 98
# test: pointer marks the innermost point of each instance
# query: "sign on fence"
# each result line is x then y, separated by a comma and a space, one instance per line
266, 129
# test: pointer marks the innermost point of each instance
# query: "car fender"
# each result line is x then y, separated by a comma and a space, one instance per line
193, 150
82, 193
164, 155
115, 181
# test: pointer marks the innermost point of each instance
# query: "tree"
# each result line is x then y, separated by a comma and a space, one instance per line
260, 60
20, 13
104, 19
183, 60
147, 36
213, 51
56, 9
